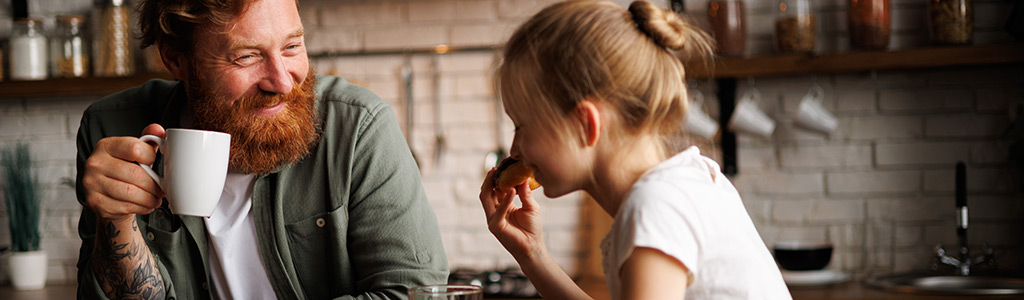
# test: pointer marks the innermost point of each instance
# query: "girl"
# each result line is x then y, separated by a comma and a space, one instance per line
595, 95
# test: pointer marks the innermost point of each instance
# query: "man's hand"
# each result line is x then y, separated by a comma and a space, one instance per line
116, 188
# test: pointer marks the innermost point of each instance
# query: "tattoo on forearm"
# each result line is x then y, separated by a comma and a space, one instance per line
125, 268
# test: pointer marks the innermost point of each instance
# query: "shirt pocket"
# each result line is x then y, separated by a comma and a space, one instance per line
318, 252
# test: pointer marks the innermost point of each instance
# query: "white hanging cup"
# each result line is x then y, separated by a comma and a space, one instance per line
698, 122
749, 118
195, 165
811, 114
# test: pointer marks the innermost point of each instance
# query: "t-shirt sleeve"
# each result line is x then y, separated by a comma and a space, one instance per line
655, 216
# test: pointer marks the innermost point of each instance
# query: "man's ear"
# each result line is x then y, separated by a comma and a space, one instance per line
174, 61
589, 116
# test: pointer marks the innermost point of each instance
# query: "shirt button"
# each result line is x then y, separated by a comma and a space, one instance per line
320, 222
149, 235
205, 287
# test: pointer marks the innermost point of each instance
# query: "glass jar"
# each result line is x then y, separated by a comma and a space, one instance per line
112, 41
28, 50
728, 24
870, 22
952, 21
68, 55
795, 26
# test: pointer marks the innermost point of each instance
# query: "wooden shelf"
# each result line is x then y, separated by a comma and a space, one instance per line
796, 64
10, 90
770, 65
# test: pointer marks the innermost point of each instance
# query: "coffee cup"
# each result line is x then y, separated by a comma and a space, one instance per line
748, 117
811, 114
195, 163
697, 121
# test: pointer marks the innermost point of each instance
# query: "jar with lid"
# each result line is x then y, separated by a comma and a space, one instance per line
728, 24
952, 21
69, 57
28, 50
112, 40
869, 22
795, 26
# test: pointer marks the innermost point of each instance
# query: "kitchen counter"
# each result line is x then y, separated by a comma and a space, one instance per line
844, 291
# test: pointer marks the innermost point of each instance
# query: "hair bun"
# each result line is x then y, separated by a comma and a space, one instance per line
669, 30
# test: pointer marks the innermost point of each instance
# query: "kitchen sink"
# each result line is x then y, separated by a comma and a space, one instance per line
931, 283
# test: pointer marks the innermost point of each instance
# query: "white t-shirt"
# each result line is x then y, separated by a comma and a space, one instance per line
686, 208
236, 267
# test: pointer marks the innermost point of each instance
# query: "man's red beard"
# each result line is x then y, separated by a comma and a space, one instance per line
259, 144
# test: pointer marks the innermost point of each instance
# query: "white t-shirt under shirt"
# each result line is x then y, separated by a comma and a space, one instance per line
686, 208
236, 267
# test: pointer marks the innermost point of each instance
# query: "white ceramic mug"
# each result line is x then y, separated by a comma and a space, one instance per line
749, 118
195, 165
811, 114
697, 121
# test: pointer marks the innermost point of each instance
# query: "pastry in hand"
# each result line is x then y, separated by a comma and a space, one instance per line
512, 172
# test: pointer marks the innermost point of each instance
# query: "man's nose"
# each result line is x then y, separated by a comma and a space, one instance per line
276, 78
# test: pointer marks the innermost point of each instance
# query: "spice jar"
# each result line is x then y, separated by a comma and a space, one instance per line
728, 24
68, 55
28, 50
869, 24
794, 26
952, 21
113, 41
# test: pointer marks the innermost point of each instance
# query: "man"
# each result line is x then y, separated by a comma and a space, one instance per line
322, 199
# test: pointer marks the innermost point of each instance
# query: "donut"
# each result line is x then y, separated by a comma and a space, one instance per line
511, 172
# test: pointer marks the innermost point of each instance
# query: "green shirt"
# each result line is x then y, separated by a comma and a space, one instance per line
349, 221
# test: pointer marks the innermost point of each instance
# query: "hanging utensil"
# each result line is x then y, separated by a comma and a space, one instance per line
439, 140
407, 78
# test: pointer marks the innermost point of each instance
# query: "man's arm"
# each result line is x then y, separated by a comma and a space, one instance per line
115, 258
123, 264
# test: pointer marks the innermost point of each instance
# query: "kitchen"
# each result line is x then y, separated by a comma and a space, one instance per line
880, 187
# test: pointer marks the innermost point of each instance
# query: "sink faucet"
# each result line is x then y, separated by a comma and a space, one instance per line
965, 262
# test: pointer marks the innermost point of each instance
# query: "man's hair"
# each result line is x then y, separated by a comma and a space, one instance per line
174, 22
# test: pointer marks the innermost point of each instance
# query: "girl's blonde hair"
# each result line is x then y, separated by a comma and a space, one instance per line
595, 50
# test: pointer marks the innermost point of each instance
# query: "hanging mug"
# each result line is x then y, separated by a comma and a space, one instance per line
697, 121
749, 118
811, 114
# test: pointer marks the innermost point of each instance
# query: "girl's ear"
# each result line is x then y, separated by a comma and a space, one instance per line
589, 115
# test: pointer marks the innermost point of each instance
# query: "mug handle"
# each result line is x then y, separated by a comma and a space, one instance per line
159, 144
816, 92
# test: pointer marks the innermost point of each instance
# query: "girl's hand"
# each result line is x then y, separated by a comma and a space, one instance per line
517, 228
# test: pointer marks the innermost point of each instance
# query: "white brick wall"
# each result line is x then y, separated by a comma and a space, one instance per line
880, 186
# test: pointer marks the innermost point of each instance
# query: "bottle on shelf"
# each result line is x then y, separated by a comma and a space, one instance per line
69, 54
795, 26
952, 21
728, 24
28, 50
869, 24
112, 42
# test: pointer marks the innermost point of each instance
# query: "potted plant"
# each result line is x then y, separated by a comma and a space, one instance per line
27, 262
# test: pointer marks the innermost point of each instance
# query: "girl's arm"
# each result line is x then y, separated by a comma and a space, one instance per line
649, 273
